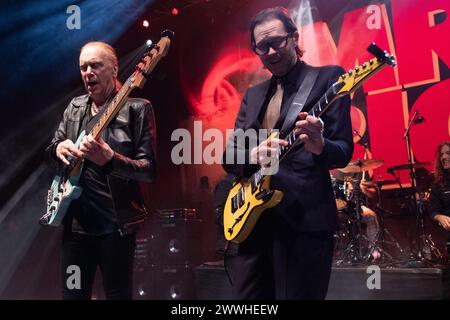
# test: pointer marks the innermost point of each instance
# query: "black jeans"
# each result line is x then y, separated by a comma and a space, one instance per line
82, 253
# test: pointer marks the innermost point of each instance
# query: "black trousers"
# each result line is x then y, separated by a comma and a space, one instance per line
82, 253
277, 263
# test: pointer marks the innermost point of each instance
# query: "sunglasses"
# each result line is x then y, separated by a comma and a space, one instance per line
275, 43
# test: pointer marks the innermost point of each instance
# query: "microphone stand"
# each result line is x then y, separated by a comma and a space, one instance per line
380, 238
424, 241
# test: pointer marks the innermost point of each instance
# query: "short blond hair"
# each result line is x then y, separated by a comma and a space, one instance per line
110, 51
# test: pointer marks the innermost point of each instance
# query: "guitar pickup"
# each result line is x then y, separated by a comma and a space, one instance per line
264, 195
234, 205
241, 197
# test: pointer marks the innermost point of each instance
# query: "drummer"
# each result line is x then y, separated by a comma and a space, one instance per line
369, 190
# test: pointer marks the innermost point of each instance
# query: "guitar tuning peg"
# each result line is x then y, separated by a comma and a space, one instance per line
350, 71
357, 69
371, 61
343, 76
364, 65
139, 69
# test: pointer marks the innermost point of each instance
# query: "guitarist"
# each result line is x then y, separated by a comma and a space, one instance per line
289, 253
99, 227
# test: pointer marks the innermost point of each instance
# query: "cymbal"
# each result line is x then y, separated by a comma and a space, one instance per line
384, 182
377, 183
362, 165
369, 184
406, 166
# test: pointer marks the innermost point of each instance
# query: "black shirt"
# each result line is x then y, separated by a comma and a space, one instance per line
440, 198
93, 212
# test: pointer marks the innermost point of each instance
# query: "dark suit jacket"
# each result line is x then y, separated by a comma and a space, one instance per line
308, 203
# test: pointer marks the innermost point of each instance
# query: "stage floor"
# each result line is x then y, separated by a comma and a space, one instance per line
350, 283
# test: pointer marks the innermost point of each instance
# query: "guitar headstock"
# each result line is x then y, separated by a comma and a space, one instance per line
151, 58
350, 81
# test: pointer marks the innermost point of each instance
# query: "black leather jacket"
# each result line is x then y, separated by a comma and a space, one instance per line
132, 137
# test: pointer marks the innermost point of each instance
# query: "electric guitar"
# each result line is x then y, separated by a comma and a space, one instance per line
64, 188
248, 198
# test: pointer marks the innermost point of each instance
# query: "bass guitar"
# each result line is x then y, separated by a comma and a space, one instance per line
65, 186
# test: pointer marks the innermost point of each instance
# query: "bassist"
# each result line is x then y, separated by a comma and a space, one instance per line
100, 226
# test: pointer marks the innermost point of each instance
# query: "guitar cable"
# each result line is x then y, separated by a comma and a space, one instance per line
227, 271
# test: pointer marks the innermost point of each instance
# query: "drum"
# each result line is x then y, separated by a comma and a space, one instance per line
348, 187
339, 189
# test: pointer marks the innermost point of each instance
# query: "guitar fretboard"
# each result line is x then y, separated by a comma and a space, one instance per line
137, 79
318, 110
112, 108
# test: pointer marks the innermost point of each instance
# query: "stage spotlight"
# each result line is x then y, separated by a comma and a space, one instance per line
175, 11
145, 23
149, 43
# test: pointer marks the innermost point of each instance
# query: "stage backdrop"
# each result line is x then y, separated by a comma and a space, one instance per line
218, 66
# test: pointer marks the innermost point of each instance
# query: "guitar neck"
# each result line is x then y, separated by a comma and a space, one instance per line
318, 110
137, 79
345, 84
108, 113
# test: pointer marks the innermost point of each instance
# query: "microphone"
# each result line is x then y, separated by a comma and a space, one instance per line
419, 119
415, 119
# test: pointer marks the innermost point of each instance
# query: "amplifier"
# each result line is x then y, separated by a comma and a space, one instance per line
179, 213
140, 254
175, 242
165, 282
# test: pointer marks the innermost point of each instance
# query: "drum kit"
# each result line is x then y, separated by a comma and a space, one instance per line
353, 192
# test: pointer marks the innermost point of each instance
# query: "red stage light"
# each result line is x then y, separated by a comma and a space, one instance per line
145, 23
175, 11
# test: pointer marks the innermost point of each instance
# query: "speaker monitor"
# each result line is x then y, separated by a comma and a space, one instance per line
158, 282
175, 242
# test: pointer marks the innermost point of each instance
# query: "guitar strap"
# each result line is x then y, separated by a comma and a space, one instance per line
299, 101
